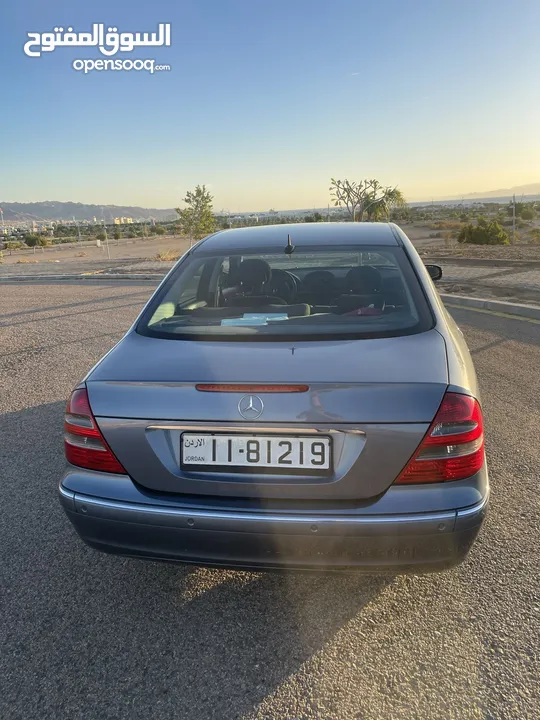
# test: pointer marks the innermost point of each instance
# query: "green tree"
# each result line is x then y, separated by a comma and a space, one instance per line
197, 219
61, 231
117, 234
520, 207
485, 233
527, 214
365, 197
100, 235
31, 239
13, 245
158, 230
380, 208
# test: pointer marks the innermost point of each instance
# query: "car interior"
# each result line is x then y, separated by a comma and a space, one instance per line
252, 286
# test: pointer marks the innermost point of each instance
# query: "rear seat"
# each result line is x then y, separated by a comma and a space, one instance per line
297, 310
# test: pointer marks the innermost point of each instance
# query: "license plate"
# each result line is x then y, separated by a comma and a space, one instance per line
256, 451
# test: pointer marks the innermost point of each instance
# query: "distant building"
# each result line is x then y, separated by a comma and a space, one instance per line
123, 221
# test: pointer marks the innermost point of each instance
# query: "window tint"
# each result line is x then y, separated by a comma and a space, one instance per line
367, 292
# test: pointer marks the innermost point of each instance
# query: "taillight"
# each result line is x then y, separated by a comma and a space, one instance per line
453, 447
84, 444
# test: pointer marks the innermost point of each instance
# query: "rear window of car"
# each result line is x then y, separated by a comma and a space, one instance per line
312, 293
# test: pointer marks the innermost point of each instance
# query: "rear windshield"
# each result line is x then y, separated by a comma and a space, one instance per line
312, 293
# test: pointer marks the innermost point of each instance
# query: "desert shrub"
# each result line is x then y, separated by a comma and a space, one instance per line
13, 245
32, 239
167, 256
535, 236
446, 225
485, 233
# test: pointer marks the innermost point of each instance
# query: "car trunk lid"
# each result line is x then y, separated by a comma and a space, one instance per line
374, 398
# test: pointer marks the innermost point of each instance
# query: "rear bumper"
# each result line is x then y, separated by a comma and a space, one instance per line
275, 540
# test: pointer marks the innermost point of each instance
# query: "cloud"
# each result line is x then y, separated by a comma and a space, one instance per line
355, 74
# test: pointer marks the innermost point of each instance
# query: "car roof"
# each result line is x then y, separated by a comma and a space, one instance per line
309, 234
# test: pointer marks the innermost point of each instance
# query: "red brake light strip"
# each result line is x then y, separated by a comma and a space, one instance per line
241, 388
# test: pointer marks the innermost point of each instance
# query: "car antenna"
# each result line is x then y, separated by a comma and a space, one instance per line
289, 248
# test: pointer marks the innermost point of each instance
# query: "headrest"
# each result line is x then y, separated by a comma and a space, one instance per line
254, 272
363, 279
318, 279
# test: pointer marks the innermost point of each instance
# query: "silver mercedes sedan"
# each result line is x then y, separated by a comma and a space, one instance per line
291, 397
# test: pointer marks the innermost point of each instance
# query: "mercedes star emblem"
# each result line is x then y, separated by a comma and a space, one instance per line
251, 407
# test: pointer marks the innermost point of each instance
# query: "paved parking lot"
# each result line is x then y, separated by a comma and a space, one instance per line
87, 636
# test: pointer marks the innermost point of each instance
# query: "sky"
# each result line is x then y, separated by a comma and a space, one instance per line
266, 101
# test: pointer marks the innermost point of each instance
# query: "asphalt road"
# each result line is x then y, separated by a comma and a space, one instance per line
87, 636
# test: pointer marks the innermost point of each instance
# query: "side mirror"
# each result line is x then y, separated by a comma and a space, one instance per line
435, 272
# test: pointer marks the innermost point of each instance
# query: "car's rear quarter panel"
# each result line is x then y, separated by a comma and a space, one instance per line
461, 372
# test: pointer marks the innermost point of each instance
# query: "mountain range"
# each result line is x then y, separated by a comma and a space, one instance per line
54, 210
501, 194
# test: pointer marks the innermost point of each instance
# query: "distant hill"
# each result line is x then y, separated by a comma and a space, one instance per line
504, 193
53, 210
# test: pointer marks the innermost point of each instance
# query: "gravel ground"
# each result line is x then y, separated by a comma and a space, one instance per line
85, 635
57, 267
484, 252
71, 255
519, 285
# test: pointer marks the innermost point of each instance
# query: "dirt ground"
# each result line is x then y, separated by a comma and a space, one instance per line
484, 252
148, 249
126, 249
436, 247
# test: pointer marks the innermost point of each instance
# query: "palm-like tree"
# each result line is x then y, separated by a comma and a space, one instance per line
381, 206
366, 198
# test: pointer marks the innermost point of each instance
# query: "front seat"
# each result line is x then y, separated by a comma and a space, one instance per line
252, 276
